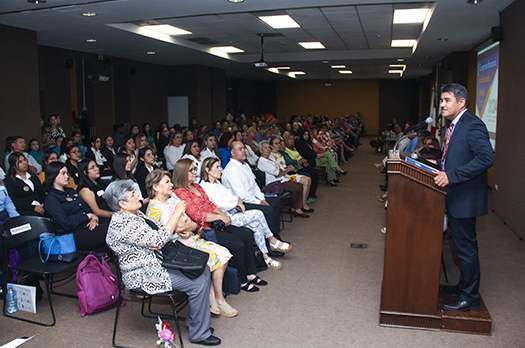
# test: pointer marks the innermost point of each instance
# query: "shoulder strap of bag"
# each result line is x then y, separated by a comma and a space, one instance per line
46, 236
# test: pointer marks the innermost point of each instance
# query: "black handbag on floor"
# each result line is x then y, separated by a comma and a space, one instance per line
190, 262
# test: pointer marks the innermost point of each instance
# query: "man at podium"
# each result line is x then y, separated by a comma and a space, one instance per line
467, 155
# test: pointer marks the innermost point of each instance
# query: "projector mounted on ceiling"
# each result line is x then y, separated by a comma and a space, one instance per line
261, 63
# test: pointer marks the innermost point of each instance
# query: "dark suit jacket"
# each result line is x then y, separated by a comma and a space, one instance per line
307, 152
468, 157
22, 195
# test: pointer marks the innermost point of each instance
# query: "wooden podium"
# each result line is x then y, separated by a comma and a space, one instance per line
410, 295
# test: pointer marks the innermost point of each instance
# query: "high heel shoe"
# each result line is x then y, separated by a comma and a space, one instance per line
301, 215
331, 183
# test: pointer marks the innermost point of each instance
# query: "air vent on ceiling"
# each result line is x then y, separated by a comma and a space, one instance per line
203, 41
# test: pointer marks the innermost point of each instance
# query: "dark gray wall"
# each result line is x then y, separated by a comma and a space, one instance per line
509, 165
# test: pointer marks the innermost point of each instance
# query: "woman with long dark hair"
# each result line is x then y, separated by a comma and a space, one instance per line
24, 187
129, 147
69, 211
146, 129
73, 159
209, 147
91, 189
225, 141
122, 169
146, 165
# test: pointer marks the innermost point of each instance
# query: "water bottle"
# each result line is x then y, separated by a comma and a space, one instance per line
12, 306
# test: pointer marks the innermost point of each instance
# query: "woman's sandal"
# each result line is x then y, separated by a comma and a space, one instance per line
249, 287
258, 281
214, 307
227, 311
281, 246
273, 264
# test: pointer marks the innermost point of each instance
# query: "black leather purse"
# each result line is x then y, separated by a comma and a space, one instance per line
190, 262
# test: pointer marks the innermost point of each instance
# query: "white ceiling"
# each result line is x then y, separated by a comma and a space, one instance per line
355, 33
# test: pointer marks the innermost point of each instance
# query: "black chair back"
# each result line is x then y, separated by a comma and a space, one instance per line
23, 229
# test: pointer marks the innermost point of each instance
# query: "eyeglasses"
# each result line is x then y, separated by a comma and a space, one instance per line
193, 170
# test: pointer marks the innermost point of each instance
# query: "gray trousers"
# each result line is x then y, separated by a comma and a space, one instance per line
198, 291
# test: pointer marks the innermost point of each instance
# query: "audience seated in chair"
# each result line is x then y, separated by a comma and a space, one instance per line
232, 205
163, 205
133, 238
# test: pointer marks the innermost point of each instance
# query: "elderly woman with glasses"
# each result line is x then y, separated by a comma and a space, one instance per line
133, 237
161, 207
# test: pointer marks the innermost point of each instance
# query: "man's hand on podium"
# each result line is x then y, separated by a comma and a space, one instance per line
441, 179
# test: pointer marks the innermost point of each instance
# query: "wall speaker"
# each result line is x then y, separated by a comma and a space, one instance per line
497, 33
68, 63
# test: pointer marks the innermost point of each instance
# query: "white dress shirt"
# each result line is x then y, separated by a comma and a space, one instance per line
239, 179
220, 196
172, 154
206, 153
271, 170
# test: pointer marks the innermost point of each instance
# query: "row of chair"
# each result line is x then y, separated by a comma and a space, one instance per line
21, 230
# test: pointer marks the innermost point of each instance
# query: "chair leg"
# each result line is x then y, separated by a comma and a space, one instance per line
174, 308
116, 321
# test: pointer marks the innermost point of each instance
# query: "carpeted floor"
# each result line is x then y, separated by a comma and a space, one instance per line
327, 294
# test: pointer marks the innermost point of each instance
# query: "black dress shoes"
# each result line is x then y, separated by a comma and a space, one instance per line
450, 291
210, 341
460, 305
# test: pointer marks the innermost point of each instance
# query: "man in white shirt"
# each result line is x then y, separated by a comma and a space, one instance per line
18, 144
240, 180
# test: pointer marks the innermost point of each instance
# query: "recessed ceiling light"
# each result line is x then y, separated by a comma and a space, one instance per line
89, 14
293, 73
400, 72
472, 2
228, 49
442, 39
345, 72
279, 22
402, 43
414, 15
167, 29
91, 40
400, 66
314, 45
283, 67
150, 52
400, 60
338, 66
236, 1
37, 1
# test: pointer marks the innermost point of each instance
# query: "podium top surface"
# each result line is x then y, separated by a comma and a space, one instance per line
413, 172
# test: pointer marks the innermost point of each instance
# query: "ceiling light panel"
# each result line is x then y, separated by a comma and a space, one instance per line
403, 43
338, 66
167, 29
280, 21
415, 15
228, 49
348, 72
312, 45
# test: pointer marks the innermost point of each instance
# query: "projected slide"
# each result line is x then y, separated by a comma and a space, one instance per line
487, 89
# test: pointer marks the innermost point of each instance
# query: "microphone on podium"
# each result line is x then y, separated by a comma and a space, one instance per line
419, 126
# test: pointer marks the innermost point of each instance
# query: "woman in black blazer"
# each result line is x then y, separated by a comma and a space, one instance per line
24, 187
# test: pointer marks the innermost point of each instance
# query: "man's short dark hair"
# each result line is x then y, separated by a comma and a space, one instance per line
457, 91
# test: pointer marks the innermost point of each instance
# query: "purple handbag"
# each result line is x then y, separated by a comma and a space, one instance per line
273, 188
